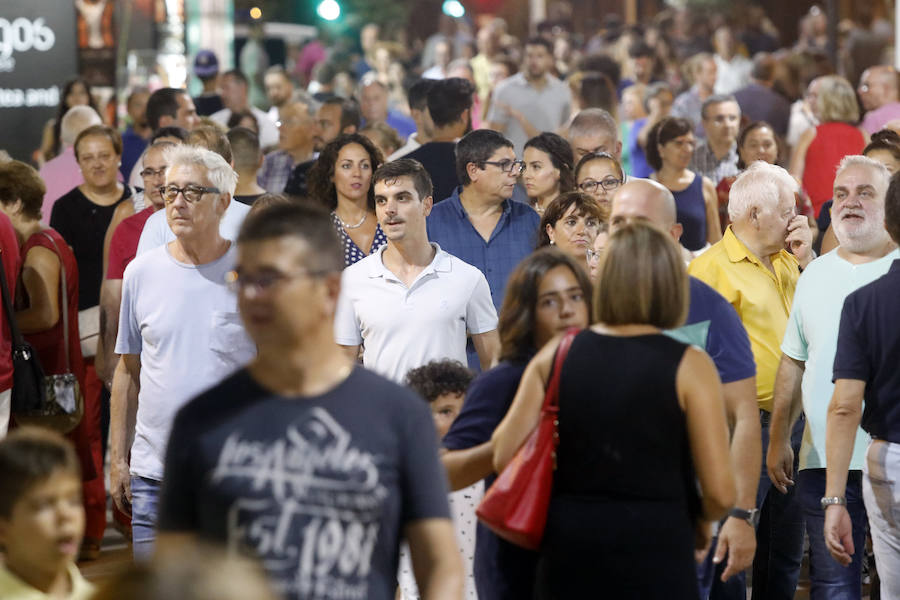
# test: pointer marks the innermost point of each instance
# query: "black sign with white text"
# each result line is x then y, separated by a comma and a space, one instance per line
37, 56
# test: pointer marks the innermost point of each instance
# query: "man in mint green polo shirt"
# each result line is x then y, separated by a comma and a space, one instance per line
865, 253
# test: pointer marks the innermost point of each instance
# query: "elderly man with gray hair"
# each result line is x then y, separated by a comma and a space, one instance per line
62, 173
804, 379
751, 267
179, 330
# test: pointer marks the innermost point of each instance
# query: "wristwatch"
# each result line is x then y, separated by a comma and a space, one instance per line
830, 500
750, 516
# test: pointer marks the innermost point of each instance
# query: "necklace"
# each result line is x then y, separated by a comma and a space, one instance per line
347, 225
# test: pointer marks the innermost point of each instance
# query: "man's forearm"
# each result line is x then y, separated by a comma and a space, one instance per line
123, 402
787, 403
746, 456
109, 327
844, 414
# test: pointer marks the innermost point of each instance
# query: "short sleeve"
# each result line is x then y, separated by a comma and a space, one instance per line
495, 113
177, 505
424, 482
346, 322
851, 357
154, 234
487, 401
481, 315
128, 340
729, 345
119, 254
794, 343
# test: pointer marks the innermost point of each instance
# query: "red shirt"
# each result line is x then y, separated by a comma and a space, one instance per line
124, 243
9, 253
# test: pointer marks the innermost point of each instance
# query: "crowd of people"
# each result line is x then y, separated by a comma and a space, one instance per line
313, 333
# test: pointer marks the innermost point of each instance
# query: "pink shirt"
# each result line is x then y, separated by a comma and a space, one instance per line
876, 119
60, 175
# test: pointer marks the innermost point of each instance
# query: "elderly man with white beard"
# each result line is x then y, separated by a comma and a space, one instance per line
804, 378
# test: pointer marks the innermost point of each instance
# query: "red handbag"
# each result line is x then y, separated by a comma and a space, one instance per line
515, 506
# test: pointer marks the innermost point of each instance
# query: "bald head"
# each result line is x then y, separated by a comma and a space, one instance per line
76, 120
878, 86
645, 200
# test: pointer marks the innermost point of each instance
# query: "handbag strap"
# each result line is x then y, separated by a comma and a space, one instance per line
65, 298
18, 340
551, 398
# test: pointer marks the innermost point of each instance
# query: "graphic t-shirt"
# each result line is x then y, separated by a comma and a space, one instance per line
318, 488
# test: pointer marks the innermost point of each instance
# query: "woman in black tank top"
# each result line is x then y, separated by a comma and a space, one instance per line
641, 423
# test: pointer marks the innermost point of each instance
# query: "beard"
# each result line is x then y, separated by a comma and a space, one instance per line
858, 236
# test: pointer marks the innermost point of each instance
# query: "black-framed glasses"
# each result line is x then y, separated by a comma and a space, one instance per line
192, 193
265, 281
513, 167
608, 183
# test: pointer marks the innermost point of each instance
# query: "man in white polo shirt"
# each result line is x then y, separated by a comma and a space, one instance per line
411, 302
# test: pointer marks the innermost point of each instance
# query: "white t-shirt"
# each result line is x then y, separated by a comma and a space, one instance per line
158, 233
184, 323
404, 328
268, 131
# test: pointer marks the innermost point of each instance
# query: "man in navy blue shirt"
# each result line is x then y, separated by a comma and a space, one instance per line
714, 325
867, 366
478, 223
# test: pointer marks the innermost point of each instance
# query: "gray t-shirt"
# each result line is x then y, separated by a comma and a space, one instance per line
157, 232
184, 323
546, 109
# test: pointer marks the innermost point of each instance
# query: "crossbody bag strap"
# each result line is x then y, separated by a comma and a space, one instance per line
551, 398
18, 340
65, 298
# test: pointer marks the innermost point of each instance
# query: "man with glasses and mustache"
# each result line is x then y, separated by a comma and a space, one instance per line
179, 330
804, 380
478, 223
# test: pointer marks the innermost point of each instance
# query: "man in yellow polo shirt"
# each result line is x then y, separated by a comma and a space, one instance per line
752, 269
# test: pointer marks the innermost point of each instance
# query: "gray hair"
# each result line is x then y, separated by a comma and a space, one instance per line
591, 120
303, 97
856, 160
76, 120
760, 186
717, 99
219, 172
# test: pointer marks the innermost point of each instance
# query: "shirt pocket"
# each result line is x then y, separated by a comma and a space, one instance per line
228, 340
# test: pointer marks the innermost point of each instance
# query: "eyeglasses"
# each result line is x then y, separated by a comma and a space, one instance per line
192, 193
513, 167
608, 184
148, 172
264, 282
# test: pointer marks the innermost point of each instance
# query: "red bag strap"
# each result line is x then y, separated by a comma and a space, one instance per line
551, 398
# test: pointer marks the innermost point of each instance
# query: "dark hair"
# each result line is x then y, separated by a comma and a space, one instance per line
560, 153
537, 40
29, 456
238, 75
213, 139
417, 95
602, 63
885, 139
244, 148
350, 113
518, 315
892, 209
641, 49
171, 131
406, 167
448, 99
236, 117
439, 377
19, 181
100, 131
278, 70
162, 103
319, 183
763, 66
559, 206
742, 137
653, 90
642, 279
302, 220
268, 199
597, 91
477, 147
62, 108
664, 132
716, 99
599, 156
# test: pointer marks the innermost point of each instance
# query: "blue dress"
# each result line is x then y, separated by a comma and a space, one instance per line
690, 210
352, 252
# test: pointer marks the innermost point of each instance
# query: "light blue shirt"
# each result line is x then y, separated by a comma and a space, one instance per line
811, 336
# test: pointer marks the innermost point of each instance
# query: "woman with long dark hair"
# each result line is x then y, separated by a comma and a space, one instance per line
341, 179
548, 169
547, 293
76, 92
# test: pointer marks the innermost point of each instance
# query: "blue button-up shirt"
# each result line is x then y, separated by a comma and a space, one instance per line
514, 238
